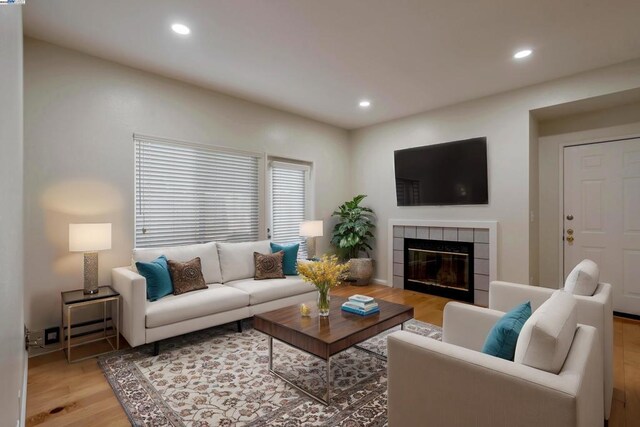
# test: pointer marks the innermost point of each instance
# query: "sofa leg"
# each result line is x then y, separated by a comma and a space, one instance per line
156, 348
239, 323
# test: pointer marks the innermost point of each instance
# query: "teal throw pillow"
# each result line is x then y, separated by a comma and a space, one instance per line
503, 337
290, 259
158, 278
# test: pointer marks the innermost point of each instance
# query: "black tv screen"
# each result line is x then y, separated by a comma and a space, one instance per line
453, 173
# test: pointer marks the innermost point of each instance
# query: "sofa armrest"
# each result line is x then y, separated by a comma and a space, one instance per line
468, 325
133, 289
597, 311
504, 296
454, 386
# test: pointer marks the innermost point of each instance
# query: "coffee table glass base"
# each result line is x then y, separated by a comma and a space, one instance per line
327, 399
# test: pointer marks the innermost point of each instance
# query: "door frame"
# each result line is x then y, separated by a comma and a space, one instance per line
561, 147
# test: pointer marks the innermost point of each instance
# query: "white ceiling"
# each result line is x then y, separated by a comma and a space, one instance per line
319, 58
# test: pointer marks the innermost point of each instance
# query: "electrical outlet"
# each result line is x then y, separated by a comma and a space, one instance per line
51, 335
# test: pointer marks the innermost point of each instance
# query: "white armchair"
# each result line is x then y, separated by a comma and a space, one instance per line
451, 383
595, 310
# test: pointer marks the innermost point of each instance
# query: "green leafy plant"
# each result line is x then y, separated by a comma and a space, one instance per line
353, 233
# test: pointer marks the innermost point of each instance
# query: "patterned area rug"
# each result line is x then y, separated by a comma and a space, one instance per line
219, 377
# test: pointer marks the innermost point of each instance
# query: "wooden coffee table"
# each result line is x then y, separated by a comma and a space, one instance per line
326, 336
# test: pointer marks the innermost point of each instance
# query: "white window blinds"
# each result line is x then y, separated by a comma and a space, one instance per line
187, 193
289, 188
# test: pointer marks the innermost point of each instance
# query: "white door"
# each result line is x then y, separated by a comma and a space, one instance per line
602, 215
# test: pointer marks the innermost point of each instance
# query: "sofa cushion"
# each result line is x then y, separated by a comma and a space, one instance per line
236, 259
208, 253
503, 337
545, 339
176, 308
583, 279
272, 289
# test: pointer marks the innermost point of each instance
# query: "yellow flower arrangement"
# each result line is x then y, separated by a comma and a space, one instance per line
324, 275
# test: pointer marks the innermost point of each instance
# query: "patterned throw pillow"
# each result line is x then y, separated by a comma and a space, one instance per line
268, 266
186, 276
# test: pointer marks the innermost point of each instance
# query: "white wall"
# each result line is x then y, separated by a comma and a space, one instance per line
12, 353
80, 114
504, 120
574, 129
597, 119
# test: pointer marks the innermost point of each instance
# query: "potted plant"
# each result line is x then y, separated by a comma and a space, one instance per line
351, 237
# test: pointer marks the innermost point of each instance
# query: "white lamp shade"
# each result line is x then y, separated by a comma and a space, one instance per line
311, 228
89, 237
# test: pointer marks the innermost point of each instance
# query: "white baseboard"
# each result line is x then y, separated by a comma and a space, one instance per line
381, 282
23, 395
51, 348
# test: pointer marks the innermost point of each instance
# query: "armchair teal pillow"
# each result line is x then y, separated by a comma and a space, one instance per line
290, 258
503, 337
158, 278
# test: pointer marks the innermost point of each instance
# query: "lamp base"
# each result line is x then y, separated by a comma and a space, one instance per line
311, 247
90, 273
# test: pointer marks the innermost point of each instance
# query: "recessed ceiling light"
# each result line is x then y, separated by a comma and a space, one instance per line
365, 103
181, 29
522, 53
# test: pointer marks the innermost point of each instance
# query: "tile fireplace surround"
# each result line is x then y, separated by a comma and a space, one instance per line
484, 235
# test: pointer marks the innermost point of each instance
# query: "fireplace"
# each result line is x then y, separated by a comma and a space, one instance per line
439, 267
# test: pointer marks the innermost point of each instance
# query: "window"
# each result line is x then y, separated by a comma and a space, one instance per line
188, 193
289, 202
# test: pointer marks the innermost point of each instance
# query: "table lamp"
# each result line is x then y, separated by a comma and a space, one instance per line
90, 238
311, 230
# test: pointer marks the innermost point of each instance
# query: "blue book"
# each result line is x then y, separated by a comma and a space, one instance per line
360, 312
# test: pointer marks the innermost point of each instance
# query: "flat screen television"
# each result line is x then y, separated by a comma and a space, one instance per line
453, 173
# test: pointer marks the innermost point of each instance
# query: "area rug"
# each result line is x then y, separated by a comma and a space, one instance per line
219, 377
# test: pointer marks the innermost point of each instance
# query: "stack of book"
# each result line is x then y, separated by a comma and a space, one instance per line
361, 304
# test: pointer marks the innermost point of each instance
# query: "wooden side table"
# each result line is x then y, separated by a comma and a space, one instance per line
76, 299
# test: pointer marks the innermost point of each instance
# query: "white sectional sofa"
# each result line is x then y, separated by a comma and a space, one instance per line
231, 295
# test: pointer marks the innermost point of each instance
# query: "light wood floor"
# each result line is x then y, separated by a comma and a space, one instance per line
60, 394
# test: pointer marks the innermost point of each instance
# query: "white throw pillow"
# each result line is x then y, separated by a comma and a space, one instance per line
583, 279
236, 259
546, 337
208, 253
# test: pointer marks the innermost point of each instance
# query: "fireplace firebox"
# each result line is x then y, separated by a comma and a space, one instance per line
439, 267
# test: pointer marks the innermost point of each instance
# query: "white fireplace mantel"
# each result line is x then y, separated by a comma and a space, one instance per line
491, 226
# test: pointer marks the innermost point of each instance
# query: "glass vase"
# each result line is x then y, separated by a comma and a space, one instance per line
323, 302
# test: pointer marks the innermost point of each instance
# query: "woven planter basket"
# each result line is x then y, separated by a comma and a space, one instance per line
361, 271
